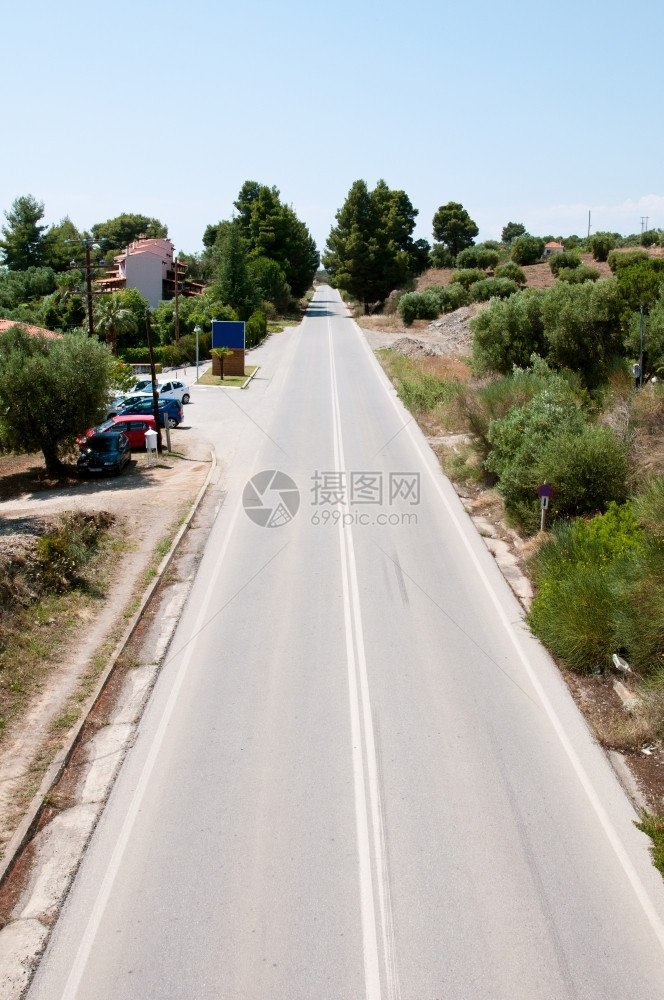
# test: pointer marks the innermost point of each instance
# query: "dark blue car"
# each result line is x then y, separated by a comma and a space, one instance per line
105, 453
169, 409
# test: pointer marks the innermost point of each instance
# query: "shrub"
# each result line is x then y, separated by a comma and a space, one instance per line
582, 327
577, 275
639, 611
512, 271
649, 508
601, 244
479, 256
63, 551
418, 305
558, 261
255, 329
574, 609
572, 616
451, 297
588, 468
508, 333
651, 237
467, 277
618, 259
519, 438
527, 249
492, 288
172, 355
441, 256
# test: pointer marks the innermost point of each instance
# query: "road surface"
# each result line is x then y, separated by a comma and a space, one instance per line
358, 776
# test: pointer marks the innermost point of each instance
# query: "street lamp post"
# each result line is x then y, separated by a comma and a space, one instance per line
197, 330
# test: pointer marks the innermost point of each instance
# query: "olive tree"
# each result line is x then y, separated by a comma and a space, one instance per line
51, 391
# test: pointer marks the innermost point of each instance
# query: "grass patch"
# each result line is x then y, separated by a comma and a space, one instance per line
229, 381
43, 604
279, 325
653, 827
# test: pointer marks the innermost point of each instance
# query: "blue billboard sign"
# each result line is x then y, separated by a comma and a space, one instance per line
227, 333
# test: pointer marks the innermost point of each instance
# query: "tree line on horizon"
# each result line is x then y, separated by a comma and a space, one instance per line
259, 262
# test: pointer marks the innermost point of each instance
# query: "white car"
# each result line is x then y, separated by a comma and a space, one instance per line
166, 389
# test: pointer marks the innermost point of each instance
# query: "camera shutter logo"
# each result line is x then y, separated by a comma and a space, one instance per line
271, 499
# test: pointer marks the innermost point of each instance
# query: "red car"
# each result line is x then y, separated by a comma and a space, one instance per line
132, 425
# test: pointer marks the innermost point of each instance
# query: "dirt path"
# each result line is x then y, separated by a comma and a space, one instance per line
148, 504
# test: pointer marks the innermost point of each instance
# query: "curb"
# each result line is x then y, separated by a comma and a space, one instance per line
254, 372
26, 828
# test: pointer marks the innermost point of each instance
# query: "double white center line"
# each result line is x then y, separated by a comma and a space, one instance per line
374, 884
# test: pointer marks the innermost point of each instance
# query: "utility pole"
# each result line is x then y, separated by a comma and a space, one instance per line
88, 267
588, 223
88, 284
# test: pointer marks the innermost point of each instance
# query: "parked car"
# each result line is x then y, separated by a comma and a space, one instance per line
108, 452
166, 389
169, 409
115, 404
134, 426
99, 429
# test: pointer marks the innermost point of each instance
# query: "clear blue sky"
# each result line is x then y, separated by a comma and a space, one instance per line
525, 112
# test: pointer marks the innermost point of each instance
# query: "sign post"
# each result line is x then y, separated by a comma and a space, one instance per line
544, 492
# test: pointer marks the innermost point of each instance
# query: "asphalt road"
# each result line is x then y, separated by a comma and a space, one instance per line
358, 776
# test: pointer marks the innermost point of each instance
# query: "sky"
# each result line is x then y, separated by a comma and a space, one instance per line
523, 112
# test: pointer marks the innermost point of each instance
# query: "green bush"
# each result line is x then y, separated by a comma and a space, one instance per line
618, 259
418, 305
575, 608
451, 297
639, 611
512, 271
480, 257
526, 249
601, 244
518, 440
651, 237
582, 326
577, 275
441, 256
558, 261
508, 333
255, 329
572, 616
492, 288
62, 552
587, 468
140, 355
467, 277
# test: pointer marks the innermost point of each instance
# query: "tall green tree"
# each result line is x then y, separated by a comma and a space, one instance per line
273, 230
58, 252
370, 251
454, 228
511, 231
51, 391
234, 285
22, 245
124, 229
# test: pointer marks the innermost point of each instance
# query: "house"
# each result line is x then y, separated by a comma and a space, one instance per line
552, 248
148, 265
6, 324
